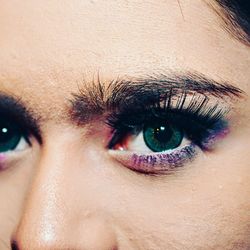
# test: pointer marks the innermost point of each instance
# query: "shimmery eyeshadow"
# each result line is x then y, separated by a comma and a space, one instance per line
219, 131
162, 159
156, 162
2, 157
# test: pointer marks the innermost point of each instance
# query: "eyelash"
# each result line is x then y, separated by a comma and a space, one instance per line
200, 121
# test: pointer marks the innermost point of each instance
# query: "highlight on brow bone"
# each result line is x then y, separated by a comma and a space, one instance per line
97, 98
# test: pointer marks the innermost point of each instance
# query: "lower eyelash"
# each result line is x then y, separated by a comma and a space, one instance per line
156, 162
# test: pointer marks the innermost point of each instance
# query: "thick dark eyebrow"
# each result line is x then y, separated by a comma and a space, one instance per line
98, 98
13, 110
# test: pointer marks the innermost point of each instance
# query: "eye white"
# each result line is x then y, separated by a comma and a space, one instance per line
22, 144
136, 143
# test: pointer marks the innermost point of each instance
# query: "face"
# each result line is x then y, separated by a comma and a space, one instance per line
123, 126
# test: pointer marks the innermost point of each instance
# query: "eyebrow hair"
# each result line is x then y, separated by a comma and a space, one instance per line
236, 17
13, 109
97, 98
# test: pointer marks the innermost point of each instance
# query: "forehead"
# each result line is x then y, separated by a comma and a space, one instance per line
48, 47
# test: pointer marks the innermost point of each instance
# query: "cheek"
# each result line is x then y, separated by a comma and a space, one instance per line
14, 184
188, 210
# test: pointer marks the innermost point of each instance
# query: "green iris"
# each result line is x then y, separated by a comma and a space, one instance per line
162, 137
10, 136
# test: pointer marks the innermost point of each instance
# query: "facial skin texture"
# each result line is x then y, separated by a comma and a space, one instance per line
68, 193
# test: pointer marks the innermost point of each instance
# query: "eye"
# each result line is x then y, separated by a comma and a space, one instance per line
156, 147
11, 138
163, 146
156, 140
158, 137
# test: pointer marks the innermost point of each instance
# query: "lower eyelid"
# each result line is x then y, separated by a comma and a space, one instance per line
11, 158
156, 162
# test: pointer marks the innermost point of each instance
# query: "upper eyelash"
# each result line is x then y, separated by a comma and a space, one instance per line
196, 110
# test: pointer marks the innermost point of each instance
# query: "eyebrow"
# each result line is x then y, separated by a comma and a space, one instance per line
97, 98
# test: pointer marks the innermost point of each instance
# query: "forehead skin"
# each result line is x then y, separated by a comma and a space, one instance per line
52, 46
48, 48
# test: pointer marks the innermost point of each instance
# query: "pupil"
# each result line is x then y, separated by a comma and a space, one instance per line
163, 134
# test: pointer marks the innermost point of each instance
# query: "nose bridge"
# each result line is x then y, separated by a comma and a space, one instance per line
48, 199
52, 217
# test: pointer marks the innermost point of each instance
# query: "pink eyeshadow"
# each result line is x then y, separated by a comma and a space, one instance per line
3, 158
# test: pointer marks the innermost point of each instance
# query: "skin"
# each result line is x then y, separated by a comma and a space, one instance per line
69, 193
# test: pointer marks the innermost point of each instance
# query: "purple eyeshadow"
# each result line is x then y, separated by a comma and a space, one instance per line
219, 131
164, 160
157, 162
